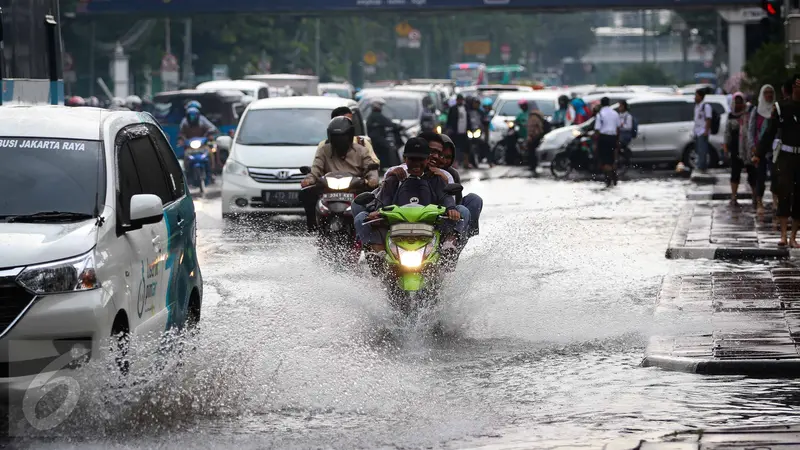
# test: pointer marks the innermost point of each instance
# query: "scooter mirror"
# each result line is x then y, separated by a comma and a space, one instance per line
453, 189
305, 170
365, 198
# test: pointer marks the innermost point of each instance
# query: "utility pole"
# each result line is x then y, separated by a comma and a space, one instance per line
316, 46
644, 36
167, 37
188, 70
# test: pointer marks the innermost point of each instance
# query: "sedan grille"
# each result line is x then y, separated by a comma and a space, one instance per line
275, 175
14, 300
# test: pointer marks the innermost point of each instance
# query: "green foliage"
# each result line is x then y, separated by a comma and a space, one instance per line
643, 74
767, 66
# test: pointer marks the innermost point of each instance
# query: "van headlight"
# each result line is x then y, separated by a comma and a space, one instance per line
69, 275
234, 168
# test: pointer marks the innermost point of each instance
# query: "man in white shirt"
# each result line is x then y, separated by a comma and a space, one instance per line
702, 129
607, 125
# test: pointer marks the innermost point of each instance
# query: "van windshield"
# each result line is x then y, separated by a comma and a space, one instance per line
51, 175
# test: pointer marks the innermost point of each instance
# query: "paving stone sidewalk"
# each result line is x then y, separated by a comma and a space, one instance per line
724, 322
717, 230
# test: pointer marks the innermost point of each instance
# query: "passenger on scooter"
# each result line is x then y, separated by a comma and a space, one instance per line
338, 154
472, 202
421, 187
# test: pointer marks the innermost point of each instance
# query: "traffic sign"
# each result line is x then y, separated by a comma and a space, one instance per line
169, 63
505, 48
403, 29
370, 58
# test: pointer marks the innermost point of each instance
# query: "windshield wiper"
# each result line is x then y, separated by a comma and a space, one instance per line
48, 216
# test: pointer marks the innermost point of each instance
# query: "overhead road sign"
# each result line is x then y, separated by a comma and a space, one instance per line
183, 7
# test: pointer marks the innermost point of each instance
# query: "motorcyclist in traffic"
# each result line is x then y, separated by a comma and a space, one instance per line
421, 187
196, 125
338, 154
344, 111
384, 133
513, 152
428, 120
560, 115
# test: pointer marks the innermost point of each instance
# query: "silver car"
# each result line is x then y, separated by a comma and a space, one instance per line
665, 131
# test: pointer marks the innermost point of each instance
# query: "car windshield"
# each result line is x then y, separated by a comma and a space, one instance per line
300, 126
397, 108
58, 175
511, 108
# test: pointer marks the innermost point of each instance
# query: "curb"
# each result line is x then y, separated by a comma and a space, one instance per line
723, 253
765, 368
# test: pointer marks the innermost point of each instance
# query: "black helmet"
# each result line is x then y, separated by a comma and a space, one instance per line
340, 134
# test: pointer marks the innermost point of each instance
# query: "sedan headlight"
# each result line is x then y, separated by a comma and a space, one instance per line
234, 168
338, 184
75, 274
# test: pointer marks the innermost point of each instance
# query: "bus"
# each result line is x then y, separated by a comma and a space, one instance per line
506, 74
468, 74
31, 65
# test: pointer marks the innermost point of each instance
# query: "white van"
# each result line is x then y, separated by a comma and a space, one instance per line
255, 89
97, 239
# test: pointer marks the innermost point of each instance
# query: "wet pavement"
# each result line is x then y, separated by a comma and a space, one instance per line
547, 319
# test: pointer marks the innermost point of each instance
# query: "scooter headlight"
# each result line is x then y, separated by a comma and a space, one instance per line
439, 129
411, 259
469, 134
74, 274
576, 133
338, 184
477, 133
195, 144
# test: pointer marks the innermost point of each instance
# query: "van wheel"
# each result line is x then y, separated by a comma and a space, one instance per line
120, 342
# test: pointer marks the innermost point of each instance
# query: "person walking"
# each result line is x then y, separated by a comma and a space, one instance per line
607, 125
458, 124
784, 120
702, 129
758, 124
735, 146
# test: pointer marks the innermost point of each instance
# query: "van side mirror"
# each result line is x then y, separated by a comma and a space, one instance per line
305, 170
453, 189
224, 143
364, 198
145, 209
372, 167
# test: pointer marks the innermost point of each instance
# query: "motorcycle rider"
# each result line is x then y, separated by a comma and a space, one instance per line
338, 154
428, 119
344, 111
196, 125
513, 155
560, 115
134, 103
379, 128
421, 187
472, 202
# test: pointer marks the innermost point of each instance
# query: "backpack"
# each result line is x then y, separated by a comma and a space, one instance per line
715, 119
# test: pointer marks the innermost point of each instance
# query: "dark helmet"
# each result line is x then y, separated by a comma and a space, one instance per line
340, 134
563, 101
417, 147
193, 115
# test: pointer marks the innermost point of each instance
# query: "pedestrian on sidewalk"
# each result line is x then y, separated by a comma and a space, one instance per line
785, 120
735, 147
759, 122
702, 129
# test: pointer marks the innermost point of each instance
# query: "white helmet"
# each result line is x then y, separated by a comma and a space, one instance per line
377, 102
116, 101
133, 101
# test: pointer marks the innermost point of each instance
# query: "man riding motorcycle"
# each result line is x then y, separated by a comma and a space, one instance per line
344, 111
196, 125
338, 154
379, 128
560, 115
421, 187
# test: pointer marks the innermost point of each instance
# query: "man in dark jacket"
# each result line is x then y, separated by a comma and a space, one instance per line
420, 187
458, 123
384, 134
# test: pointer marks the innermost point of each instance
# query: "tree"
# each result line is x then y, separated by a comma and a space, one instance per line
644, 74
766, 66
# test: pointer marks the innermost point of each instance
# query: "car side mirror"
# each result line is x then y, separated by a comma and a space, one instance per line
305, 170
224, 143
364, 198
372, 167
145, 209
453, 189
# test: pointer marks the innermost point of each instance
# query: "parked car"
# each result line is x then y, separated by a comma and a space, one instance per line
97, 240
665, 131
276, 137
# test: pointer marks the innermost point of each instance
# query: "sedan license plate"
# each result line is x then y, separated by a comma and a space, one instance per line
338, 197
281, 198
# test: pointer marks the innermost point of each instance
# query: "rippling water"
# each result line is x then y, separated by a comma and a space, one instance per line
546, 321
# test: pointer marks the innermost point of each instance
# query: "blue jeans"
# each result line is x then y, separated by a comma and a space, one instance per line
474, 203
368, 234
701, 148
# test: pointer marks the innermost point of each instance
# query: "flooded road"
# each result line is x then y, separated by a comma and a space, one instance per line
546, 320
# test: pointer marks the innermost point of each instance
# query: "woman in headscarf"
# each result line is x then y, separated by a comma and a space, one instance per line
735, 145
759, 120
